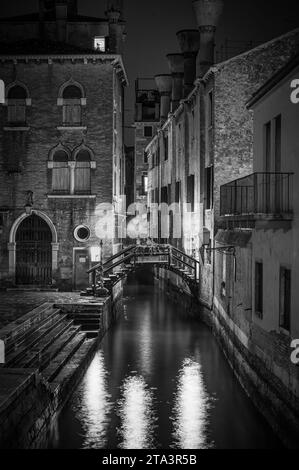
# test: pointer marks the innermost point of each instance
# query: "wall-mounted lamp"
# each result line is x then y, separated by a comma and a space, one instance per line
28, 209
29, 202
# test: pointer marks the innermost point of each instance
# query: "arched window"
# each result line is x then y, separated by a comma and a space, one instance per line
82, 172
61, 173
71, 98
17, 100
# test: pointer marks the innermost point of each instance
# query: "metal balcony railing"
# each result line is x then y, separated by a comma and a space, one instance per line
259, 193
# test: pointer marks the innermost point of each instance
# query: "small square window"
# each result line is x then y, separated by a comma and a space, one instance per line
148, 131
100, 44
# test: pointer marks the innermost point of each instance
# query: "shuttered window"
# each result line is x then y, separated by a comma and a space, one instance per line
72, 113
60, 173
259, 290
16, 105
190, 191
83, 173
285, 299
72, 110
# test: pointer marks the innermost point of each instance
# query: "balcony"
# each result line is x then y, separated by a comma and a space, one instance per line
263, 196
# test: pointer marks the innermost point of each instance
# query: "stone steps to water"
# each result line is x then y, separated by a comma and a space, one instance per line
60, 361
32, 338
35, 354
58, 345
67, 378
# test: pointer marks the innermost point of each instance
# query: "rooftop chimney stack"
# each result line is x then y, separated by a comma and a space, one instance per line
164, 85
208, 13
176, 66
189, 41
114, 14
61, 10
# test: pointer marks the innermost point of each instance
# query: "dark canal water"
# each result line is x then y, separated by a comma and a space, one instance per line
159, 380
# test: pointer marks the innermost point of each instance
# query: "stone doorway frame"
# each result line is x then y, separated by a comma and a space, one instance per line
12, 245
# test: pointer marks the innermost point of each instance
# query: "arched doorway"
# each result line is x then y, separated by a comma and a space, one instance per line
33, 252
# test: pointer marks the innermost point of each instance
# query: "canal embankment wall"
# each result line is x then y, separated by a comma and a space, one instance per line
274, 398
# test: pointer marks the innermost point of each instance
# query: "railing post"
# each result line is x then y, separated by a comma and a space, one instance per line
255, 192
94, 281
169, 256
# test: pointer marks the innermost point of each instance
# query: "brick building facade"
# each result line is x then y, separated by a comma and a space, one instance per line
61, 143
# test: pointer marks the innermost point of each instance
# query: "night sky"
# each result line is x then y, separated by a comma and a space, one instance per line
152, 25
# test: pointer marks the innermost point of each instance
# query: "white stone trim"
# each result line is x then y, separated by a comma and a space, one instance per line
71, 196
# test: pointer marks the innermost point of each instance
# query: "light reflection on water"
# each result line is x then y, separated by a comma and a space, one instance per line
136, 414
192, 404
159, 380
93, 404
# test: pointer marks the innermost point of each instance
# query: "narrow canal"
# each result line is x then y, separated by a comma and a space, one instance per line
159, 380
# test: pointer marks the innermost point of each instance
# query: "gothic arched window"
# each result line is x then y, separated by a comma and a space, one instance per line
71, 98
17, 101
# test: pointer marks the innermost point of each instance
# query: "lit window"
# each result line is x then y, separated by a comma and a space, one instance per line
100, 44
144, 184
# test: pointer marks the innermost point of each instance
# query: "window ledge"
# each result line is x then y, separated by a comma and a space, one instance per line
71, 196
72, 128
50, 164
16, 128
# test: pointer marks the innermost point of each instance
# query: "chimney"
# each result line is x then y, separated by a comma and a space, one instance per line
164, 85
176, 66
116, 30
72, 8
189, 41
61, 19
208, 13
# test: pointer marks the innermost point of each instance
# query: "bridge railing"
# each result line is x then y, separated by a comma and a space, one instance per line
120, 258
147, 254
184, 261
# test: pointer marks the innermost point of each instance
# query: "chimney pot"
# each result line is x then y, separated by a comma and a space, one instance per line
189, 41
176, 66
164, 85
208, 13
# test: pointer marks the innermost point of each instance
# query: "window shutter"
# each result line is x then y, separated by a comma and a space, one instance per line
82, 178
61, 178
